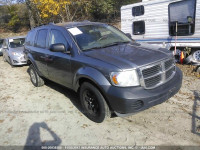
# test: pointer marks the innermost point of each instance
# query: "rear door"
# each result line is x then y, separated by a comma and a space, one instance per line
40, 51
59, 64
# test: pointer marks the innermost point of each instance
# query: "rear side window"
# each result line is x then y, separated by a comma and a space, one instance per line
41, 38
138, 10
30, 38
57, 38
138, 27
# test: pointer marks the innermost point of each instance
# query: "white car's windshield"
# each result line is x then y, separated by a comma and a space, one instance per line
97, 36
14, 43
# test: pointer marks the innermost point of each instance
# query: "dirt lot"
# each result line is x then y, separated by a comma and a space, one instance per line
50, 115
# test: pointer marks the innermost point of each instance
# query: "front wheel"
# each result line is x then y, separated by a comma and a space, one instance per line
93, 103
35, 78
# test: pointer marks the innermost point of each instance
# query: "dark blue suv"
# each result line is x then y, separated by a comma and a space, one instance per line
112, 73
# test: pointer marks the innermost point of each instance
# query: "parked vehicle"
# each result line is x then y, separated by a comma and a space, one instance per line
1, 43
165, 23
110, 71
13, 51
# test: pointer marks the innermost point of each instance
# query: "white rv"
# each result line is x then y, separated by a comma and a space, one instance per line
164, 23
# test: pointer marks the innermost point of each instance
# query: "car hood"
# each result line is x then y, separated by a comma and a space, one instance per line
17, 50
131, 55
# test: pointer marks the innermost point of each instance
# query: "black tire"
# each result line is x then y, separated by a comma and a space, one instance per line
35, 78
93, 103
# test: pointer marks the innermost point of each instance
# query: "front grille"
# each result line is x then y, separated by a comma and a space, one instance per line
150, 82
151, 71
169, 63
170, 72
157, 74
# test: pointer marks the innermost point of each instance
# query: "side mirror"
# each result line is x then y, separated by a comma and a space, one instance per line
59, 48
129, 35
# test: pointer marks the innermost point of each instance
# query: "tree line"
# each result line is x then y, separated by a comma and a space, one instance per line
16, 15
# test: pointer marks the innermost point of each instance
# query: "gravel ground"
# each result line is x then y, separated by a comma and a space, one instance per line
50, 115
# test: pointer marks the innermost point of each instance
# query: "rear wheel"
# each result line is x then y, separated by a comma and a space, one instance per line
35, 78
93, 103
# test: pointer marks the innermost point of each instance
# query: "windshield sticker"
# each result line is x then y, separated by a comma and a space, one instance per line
75, 31
11, 40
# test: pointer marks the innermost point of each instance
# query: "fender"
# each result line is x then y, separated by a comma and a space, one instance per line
91, 74
30, 58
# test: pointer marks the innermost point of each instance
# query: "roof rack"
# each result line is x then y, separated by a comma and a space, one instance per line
86, 21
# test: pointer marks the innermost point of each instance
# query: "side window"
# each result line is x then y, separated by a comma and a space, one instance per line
57, 37
182, 18
28, 38
138, 10
138, 27
41, 38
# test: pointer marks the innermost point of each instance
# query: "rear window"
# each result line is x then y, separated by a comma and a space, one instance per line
41, 38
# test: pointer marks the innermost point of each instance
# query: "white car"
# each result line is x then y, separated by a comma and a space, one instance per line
13, 51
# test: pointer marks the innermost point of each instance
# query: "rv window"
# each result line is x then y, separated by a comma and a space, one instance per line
182, 15
138, 27
138, 10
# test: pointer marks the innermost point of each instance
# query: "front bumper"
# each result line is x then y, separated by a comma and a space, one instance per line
18, 60
126, 101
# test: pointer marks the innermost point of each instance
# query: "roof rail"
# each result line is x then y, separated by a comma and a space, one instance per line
86, 21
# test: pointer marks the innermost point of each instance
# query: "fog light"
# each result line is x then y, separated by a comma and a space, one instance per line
15, 61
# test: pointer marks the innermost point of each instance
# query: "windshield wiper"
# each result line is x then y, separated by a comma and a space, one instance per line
108, 45
116, 43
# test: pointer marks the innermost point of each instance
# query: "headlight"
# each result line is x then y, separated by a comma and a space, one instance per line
15, 54
125, 79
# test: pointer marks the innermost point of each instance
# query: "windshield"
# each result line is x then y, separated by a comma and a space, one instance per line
1, 43
14, 43
97, 36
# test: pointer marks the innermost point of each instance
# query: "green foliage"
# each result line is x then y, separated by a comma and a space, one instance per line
27, 13
108, 9
14, 17
14, 20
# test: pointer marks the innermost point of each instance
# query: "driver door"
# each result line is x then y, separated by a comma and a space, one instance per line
59, 64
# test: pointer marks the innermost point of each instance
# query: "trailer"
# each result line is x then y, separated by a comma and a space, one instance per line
168, 24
